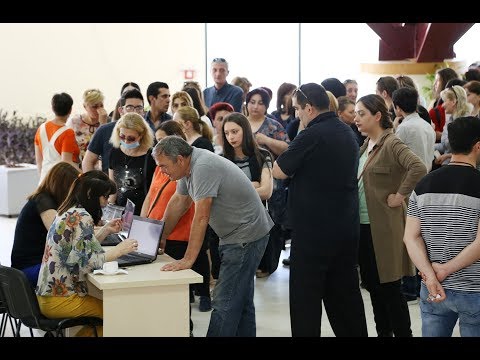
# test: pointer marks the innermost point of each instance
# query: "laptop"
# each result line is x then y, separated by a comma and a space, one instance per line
127, 217
148, 233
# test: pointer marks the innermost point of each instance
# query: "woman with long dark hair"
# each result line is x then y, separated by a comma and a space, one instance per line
73, 249
36, 217
240, 147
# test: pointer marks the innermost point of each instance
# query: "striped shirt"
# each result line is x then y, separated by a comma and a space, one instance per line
447, 203
244, 164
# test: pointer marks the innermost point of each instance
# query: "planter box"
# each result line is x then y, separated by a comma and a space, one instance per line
15, 185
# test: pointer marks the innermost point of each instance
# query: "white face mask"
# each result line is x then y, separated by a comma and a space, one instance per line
131, 145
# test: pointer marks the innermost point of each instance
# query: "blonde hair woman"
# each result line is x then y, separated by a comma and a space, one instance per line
84, 125
455, 104
180, 99
130, 166
197, 132
333, 102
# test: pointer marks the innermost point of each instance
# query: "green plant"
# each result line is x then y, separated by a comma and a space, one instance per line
17, 138
427, 90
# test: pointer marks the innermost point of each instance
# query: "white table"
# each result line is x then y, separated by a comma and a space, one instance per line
147, 301
15, 185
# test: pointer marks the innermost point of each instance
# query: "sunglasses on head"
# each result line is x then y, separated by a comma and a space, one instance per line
299, 90
454, 93
127, 138
219, 60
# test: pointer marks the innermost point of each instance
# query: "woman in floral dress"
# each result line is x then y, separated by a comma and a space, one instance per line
73, 249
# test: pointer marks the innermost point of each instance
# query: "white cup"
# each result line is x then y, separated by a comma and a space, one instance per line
110, 267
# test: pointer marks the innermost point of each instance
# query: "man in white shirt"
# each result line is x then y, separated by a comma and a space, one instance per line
414, 131
419, 136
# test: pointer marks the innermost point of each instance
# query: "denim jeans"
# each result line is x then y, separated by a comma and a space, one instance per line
439, 319
233, 308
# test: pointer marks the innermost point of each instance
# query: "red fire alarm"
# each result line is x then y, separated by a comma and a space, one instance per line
188, 74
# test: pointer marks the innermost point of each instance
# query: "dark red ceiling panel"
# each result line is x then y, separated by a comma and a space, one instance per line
423, 42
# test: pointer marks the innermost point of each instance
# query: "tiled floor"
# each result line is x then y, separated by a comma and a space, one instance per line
271, 299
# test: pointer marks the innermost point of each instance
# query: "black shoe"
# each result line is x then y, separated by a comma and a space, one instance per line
205, 304
385, 334
286, 262
191, 333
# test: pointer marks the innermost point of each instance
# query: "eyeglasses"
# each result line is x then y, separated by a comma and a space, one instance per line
137, 109
127, 138
299, 89
219, 60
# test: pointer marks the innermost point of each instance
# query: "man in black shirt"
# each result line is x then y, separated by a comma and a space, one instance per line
322, 162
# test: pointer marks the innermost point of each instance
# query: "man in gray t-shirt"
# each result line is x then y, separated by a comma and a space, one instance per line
224, 198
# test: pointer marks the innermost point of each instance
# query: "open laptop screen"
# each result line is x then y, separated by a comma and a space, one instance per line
127, 217
147, 232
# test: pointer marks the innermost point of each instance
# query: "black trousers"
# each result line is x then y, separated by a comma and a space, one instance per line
202, 266
390, 308
213, 241
332, 279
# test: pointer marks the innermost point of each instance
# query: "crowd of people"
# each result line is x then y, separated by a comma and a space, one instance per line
375, 191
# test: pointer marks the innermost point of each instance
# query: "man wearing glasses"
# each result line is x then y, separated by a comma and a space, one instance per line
322, 164
99, 147
222, 91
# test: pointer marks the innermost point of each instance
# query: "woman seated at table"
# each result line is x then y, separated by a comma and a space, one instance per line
73, 249
36, 217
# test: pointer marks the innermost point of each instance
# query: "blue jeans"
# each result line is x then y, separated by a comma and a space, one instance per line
233, 308
439, 319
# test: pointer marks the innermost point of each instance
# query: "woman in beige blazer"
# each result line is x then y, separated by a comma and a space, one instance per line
388, 172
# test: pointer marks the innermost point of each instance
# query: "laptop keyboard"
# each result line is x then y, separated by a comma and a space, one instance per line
128, 256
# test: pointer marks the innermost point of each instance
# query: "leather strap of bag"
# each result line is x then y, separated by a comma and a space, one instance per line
157, 196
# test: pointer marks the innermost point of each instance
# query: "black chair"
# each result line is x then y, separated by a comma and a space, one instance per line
21, 303
5, 319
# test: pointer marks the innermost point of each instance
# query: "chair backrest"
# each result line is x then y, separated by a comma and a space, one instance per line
18, 296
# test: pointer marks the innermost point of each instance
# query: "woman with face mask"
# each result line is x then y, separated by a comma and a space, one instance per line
131, 165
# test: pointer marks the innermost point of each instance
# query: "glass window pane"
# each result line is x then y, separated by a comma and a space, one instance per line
266, 54
336, 50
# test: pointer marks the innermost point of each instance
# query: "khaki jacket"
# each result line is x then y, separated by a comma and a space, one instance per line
394, 168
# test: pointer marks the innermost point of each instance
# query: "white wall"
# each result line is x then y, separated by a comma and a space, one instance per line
466, 48
39, 60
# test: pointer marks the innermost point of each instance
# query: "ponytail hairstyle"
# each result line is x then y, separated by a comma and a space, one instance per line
188, 113
375, 103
